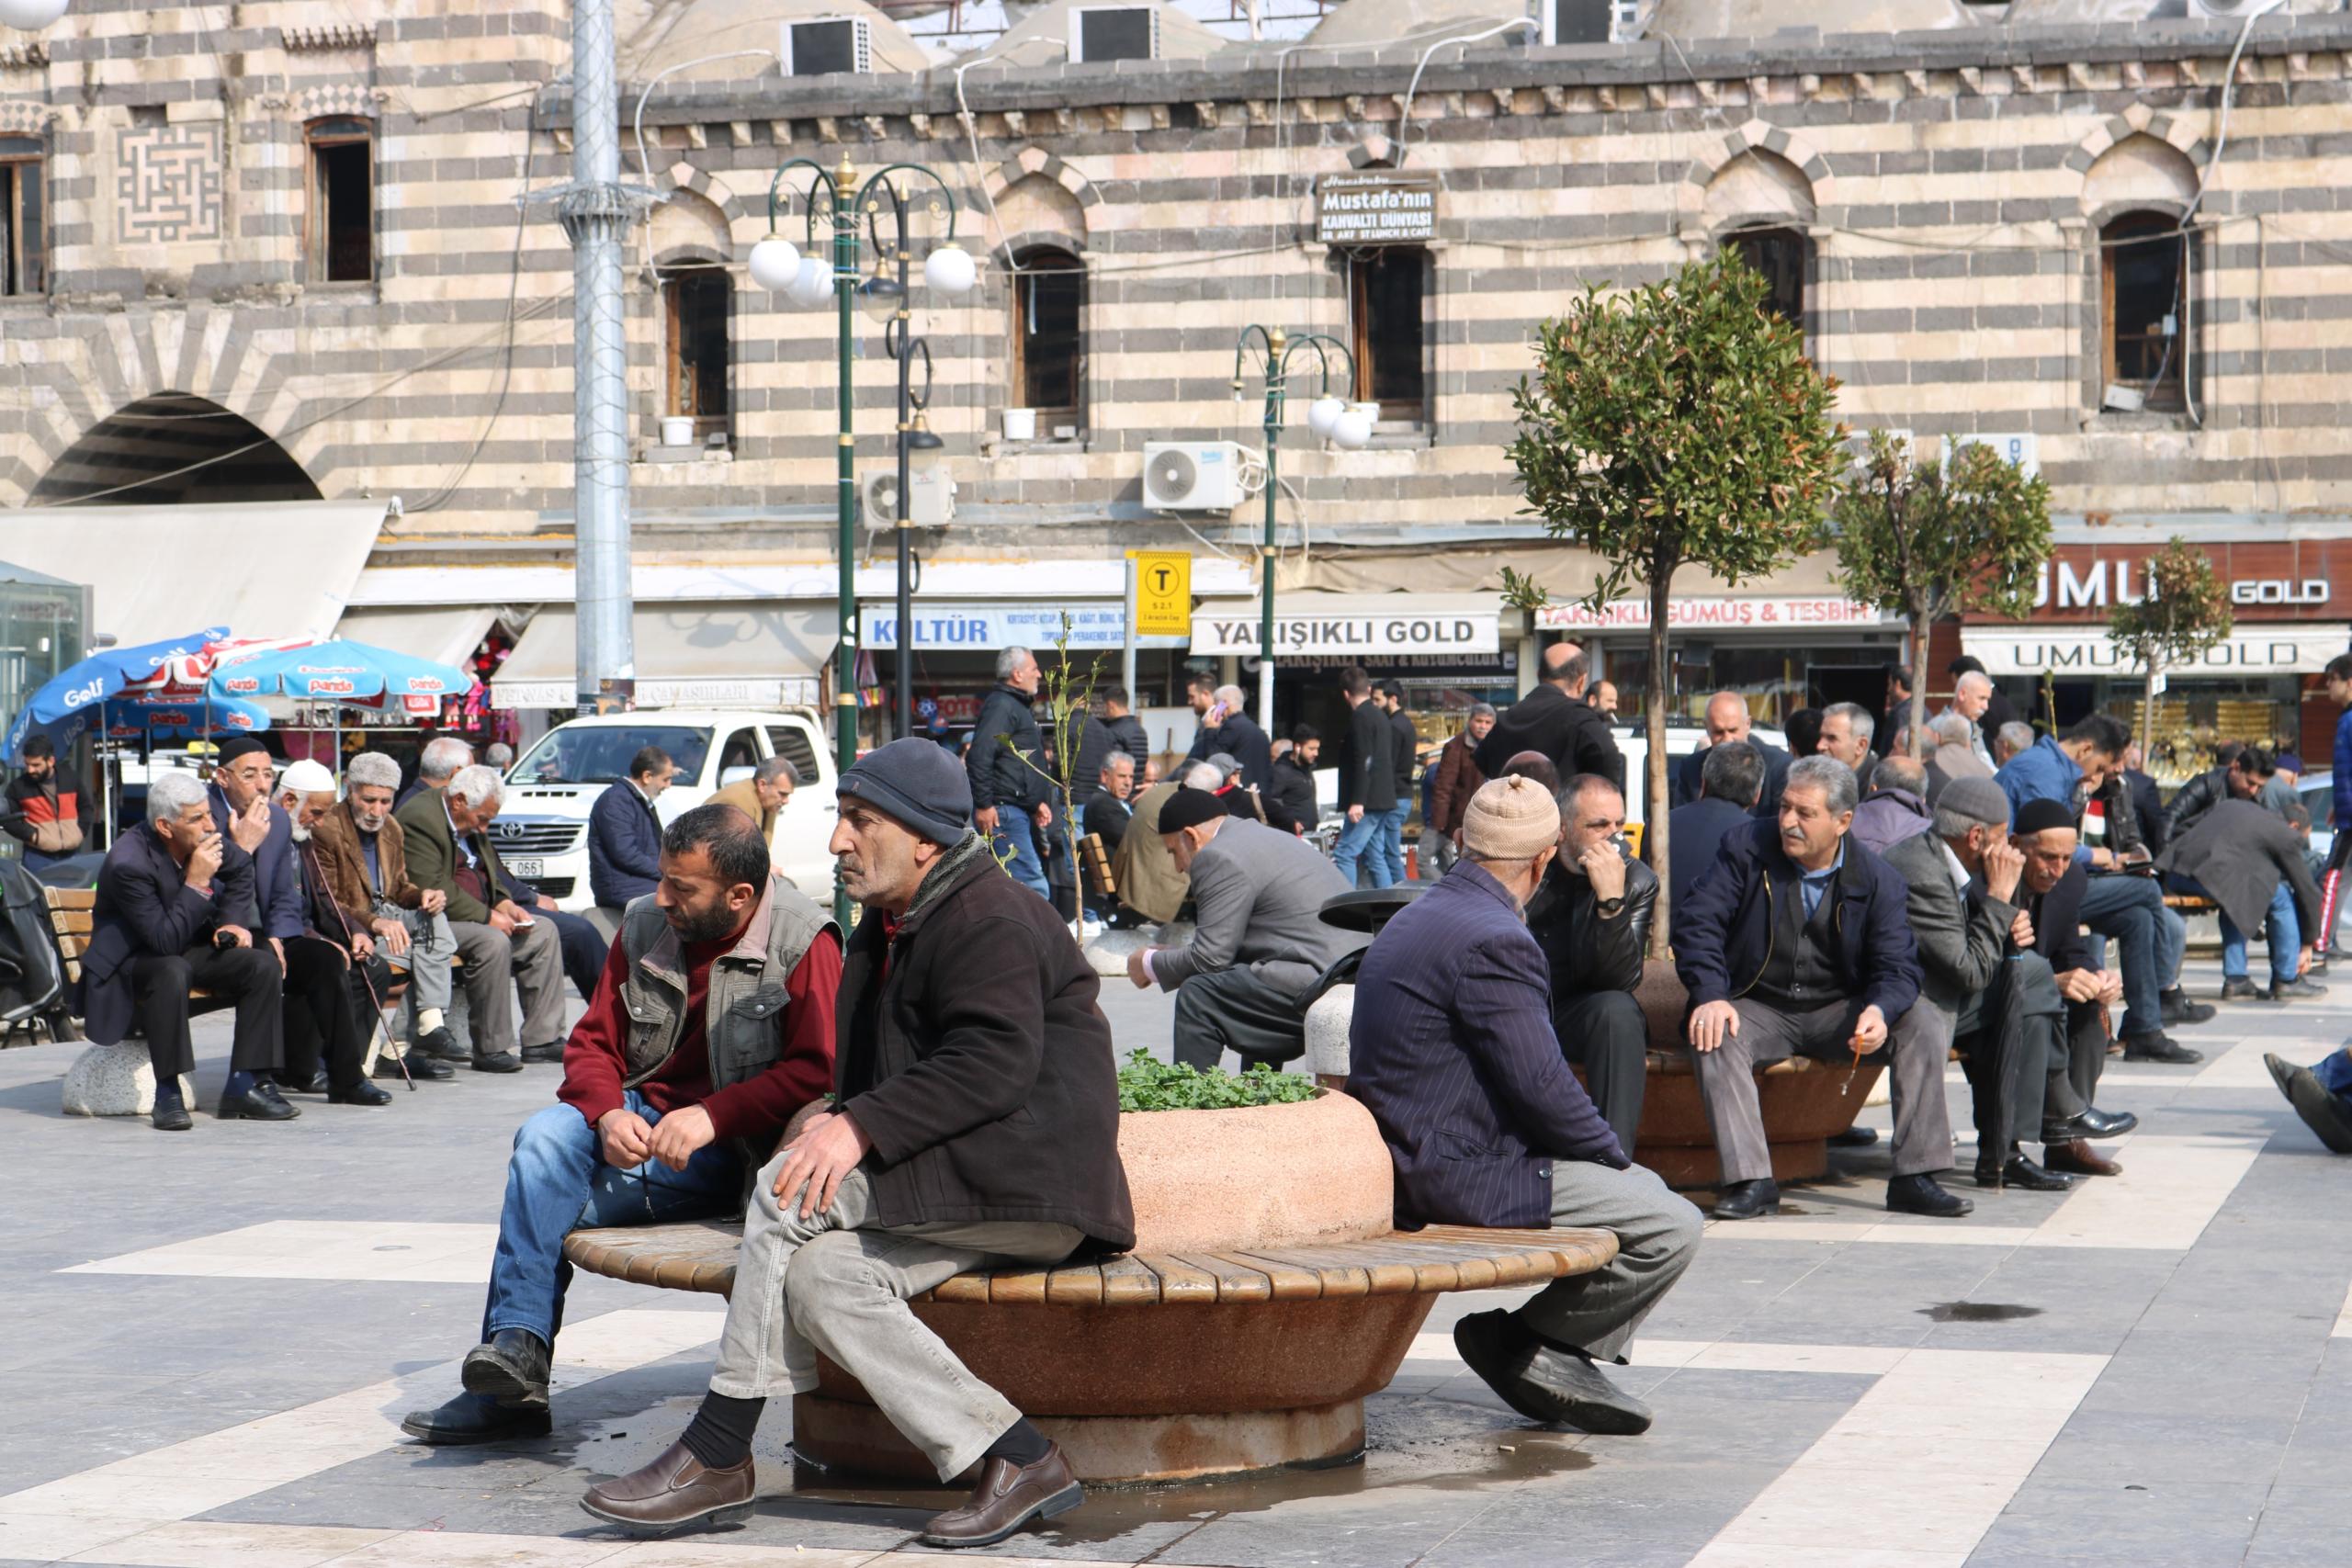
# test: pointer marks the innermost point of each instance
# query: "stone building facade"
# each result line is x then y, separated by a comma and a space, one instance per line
1980, 228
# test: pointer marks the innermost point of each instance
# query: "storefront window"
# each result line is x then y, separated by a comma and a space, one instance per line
1775, 681
2195, 717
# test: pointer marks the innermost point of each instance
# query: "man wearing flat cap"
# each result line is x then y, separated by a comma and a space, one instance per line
1259, 943
974, 1126
1452, 1051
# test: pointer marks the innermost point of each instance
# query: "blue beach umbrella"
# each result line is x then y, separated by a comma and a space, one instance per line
339, 671
72, 701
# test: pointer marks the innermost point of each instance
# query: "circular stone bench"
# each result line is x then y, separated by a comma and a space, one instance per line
1248, 1360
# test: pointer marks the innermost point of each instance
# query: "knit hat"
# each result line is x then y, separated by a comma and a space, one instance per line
305, 777
2037, 815
915, 782
237, 746
1189, 808
1979, 800
1512, 818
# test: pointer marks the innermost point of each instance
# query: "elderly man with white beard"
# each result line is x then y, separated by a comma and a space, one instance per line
322, 1021
388, 918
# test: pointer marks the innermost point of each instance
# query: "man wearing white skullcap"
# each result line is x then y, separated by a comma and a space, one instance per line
323, 1009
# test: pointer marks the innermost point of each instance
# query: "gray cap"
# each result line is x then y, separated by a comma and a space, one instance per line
1979, 800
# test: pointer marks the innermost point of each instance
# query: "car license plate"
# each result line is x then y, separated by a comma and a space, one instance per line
532, 867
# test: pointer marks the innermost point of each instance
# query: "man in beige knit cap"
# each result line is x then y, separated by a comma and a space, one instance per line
1453, 1052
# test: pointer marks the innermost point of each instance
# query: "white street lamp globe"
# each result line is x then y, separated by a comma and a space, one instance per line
30, 15
950, 269
1352, 430
776, 260
1322, 415
811, 285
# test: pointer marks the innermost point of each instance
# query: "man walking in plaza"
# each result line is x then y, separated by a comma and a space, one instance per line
975, 1125
1367, 778
1290, 802
712, 1031
360, 853
1797, 942
1456, 779
1591, 915
1404, 744
45, 808
1554, 719
1010, 791
2337, 682
1452, 1051
1257, 944
1226, 729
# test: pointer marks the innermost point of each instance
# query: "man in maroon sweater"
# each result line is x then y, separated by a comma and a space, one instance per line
711, 1029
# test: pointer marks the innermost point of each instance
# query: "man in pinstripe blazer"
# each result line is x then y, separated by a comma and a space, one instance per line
1452, 1051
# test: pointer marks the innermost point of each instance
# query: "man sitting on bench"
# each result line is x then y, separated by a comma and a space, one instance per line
711, 1029
1591, 917
1798, 941
361, 853
161, 927
2051, 896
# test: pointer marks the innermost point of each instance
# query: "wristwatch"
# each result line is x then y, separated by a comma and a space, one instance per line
1609, 907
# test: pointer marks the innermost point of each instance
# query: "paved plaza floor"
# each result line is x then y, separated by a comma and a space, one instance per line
209, 1337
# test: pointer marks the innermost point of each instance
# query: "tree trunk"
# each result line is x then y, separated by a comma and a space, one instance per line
2148, 710
1920, 628
1654, 811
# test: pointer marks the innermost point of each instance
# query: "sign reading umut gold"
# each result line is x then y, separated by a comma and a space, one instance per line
1383, 208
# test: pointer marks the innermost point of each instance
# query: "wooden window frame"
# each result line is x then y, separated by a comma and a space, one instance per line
317, 239
674, 367
2167, 395
1360, 266
23, 271
1023, 266
1753, 234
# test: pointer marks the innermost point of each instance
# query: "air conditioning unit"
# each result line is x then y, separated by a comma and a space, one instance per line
2224, 10
1588, 21
1192, 476
930, 498
1114, 32
828, 46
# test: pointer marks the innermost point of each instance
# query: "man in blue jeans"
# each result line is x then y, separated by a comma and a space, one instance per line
1367, 778
1010, 791
2322, 1096
716, 1011
1405, 742
2250, 862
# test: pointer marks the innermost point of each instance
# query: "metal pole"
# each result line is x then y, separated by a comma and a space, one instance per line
1275, 377
1127, 639
596, 213
845, 677
905, 724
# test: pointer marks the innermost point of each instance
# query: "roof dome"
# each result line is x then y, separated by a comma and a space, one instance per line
1756, 18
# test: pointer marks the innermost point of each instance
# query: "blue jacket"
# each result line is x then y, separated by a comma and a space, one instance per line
1723, 936
145, 911
275, 905
1452, 1052
623, 845
1694, 833
1240, 739
2342, 778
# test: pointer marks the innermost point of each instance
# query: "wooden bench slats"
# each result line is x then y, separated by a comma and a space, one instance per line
1236, 1281
1288, 1282
965, 1290
72, 897
1075, 1284
1129, 1281
1017, 1289
1180, 1283
1337, 1274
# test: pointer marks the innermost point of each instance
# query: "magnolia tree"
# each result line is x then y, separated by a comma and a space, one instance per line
1675, 424
2185, 611
1927, 540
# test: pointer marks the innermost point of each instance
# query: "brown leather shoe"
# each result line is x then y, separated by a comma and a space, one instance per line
1007, 1497
675, 1492
2077, 1157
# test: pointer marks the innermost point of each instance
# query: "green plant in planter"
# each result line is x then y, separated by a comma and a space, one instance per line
1146, 1084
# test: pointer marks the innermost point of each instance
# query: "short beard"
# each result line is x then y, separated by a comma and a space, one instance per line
709, 926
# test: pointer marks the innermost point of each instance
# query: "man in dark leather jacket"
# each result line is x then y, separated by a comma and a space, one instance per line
1591, 917
2242, 780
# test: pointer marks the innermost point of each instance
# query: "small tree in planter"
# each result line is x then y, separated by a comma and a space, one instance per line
1068, 697
2185, 611
1678, 423
1924, 541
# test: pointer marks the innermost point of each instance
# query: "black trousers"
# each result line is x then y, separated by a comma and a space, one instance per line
1605, 1034
584, 948
321, 1021
244, 978
1233, 1010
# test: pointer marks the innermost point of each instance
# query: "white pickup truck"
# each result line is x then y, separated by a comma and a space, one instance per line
542, 829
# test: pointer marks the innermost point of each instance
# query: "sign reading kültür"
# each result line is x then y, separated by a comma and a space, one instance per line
1384, 207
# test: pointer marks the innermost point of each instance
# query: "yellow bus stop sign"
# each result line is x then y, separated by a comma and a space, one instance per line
1163, 593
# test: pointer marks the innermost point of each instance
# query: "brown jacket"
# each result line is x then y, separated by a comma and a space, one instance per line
1146, 872
336, 838
744, 796
1458, 779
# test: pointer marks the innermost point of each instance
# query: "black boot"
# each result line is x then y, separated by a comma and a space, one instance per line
512, 1368
1745, 1200
470, 1418
1921, 1195
2177, 1009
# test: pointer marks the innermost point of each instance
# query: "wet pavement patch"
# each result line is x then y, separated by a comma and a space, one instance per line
1977, 1312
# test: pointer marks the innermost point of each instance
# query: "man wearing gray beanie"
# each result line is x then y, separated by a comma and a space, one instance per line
975, 1125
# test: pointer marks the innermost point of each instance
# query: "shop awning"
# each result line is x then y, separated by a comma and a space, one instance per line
688, 655
267, 568
1374, 624
445, 634
2086, 652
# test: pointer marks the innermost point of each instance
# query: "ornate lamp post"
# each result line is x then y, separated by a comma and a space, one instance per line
777, 263
1330, 419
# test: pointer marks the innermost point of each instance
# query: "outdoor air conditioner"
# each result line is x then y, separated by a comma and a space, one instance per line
1192, 476
2224, 10
828, 46
1588, 21
1114, 32
930, 498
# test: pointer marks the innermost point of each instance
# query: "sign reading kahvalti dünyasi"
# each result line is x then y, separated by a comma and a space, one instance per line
1384, 207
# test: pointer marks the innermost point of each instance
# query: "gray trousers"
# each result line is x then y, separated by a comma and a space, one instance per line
531, 961
431, 945
839, 1283
1658, 1234
1234, 1010
1916, 1044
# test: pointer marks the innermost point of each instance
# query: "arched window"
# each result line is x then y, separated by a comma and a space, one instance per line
1048, 335
1785, 258
340, 225
2144, 279
696, 301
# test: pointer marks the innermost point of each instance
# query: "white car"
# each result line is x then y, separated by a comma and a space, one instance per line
1682, 737
542, 830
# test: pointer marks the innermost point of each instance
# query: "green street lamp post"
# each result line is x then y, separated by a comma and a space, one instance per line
776, 263
1328, 417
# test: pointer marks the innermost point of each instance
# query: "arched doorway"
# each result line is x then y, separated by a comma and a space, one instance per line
173, 448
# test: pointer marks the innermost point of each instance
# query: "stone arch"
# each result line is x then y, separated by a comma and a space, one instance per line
1758, 189
1034, 210
1036, 161
689, 226
1783, 148
741, 196
2137, 171
175, 447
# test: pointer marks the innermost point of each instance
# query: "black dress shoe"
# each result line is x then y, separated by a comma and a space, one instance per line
1853, 1138
172, 1119
2301, 985
315, 1084
2321, 1111
2283, 1072
512, 1368
254, 1106
496, 1062
2234, 988
1543, 1382
2159, 1047
470, 1418
1745, 1200
2027, 1177
268, 1088
442, 1045
361, 1093
2092, 1123
543, 1052
1921, 1195
2177, 1009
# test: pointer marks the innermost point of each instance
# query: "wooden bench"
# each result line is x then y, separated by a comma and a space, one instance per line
2190, 903
1098, 866
1267, 1362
